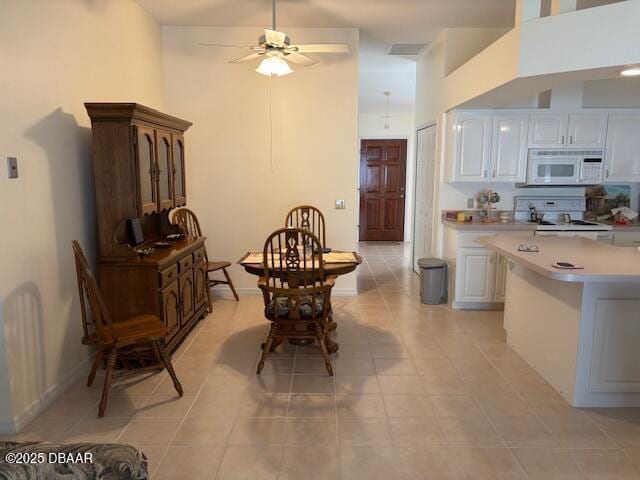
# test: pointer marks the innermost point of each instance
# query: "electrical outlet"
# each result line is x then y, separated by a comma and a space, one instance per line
340, 205
12, 166
470, 203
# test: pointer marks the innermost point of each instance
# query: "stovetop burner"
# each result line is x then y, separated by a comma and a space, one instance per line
541, 222
582, 222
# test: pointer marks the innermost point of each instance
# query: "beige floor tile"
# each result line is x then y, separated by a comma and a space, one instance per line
312, 384
355, 366
241, 365
548, 464
353, 351
577, 432
626, 433
311, 405
258, 404
250, 463
364, 463
191, 383
434, 366
204, 431
401, 384
278, 365
96, 430
408, 432
150, 431
444, 385
273, 383
257, 431
310, 365
310, 463
227, 383
357, 384
310, 431
136, 385
474, 431
51, 429
489, 464
419, 463
455, 406
394, 366
389, 351
167, 405
605, 464
71, 406
399, 406
194, 463
523, 431
365, 431
217, 404
360, 406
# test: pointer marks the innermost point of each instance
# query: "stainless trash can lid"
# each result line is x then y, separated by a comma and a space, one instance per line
431, 263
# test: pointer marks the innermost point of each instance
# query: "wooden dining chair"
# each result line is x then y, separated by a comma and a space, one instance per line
307, 217
112, 339
188, 223
297, 296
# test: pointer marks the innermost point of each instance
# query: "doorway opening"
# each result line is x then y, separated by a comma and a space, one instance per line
383, 167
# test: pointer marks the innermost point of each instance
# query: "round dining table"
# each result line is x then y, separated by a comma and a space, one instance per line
329, 268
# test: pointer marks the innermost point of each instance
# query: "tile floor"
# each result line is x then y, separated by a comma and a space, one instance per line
419, 393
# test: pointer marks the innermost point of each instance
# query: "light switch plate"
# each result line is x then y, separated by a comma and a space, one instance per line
340, 205
12, 166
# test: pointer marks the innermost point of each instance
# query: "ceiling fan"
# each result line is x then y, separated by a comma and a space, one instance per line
275, 50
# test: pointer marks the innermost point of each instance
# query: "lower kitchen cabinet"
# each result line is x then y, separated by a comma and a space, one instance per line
477, 274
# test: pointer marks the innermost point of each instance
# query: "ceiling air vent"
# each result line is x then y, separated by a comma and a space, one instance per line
405, 49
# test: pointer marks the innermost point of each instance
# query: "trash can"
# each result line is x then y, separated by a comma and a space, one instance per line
433, 281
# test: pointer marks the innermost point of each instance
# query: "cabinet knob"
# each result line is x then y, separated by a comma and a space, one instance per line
570, 138
562, 141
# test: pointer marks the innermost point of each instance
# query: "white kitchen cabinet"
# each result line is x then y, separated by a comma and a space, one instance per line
573, 130
509, 147
469, 146
586, 130
501, 278
475, 278
626, 239
548, 130
622, 151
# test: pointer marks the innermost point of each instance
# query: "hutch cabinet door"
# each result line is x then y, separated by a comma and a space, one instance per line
179, 182
186, 296
170, 298
165, 170
147, 168
201, 283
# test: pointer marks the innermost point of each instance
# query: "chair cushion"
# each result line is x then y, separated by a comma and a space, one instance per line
304, 307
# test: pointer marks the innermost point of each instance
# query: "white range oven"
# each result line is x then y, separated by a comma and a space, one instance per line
564, 167
558, 217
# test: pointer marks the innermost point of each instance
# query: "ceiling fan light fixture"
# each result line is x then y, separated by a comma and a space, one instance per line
274, 66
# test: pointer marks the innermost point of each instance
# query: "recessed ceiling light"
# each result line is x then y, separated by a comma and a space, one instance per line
630, 72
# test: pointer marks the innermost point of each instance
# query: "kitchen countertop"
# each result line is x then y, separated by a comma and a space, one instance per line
602, 262
481, 226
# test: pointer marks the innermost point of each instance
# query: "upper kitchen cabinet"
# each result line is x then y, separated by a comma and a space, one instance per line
509, 147
573, 130
468, 146
146, 169
548, 130
179, 181
587, 130
622, 152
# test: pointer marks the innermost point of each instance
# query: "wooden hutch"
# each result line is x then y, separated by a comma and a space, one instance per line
139, 169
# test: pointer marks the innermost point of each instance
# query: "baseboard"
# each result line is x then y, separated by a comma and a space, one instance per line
46, 399
221, 291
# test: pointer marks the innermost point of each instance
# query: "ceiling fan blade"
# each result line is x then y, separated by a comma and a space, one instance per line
300, 59
275, 38
320, 48
248, 58
205, 44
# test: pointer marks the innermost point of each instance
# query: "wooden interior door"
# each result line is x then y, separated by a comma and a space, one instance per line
383, 165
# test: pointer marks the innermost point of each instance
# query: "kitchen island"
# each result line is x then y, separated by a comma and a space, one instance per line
580, 329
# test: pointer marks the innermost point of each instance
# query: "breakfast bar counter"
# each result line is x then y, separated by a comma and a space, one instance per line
580, 329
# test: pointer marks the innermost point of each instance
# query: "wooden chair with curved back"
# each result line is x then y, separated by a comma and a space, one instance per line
114, 338
297, 296
307, 217
189, 224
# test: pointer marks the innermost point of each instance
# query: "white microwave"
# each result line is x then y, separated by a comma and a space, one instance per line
564, 167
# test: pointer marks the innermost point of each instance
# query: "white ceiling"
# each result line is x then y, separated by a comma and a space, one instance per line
381, 22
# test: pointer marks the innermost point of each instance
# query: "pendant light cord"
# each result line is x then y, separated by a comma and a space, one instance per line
270, 124
273, 13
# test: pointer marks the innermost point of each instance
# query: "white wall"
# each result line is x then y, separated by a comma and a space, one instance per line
54, 56
239, 195
401, 125
612, 93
